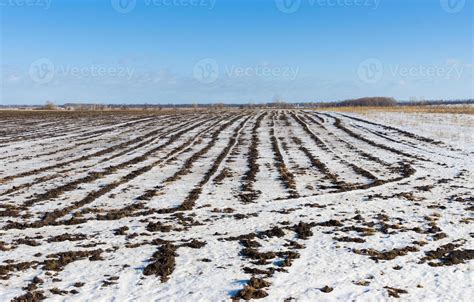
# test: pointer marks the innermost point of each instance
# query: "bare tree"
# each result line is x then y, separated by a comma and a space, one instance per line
50, 106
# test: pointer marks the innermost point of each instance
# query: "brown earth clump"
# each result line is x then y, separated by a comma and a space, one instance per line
349, 239
326, 289
448, 255
158, 227
67, 237
385, 255
256, 255
248, 293
303, 230
195, 244
273, 232
32, 296
331, 223
64, 258
258, 283
395, 292
163, 262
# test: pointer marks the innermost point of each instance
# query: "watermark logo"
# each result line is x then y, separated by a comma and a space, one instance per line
41, 71
452, 6
123, 6
370, 71
206, 71
288, 6
21, 3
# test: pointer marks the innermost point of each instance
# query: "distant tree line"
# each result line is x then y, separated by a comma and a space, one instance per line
381, 102
434, 103
366, 101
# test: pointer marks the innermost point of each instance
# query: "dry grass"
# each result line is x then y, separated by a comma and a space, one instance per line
464, 109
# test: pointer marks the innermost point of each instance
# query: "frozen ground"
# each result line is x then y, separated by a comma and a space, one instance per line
456, 129
271, 205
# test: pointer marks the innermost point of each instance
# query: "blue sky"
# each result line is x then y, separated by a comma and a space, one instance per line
192, 51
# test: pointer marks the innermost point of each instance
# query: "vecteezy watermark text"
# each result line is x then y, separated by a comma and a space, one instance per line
43, 71
207, 71
291, 6
446, 72
372, 71
126, 6
199, 3
263, 71
22, 3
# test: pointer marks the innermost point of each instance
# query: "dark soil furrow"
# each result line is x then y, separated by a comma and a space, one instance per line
51, 217
248, 193
85, 157
339, 125
190, 200
287, 178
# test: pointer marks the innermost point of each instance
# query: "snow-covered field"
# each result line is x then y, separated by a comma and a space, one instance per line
456, 129
275, 205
